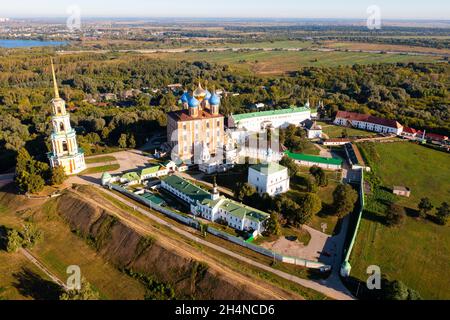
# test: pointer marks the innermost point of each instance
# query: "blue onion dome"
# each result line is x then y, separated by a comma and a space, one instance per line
185, 97
207, 95
214, 100
193, 102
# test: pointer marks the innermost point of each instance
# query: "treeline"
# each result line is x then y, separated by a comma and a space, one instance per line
415, 94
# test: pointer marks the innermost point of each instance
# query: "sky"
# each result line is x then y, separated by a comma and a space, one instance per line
345, 9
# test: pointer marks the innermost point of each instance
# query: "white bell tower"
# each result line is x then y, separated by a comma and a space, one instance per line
64, 140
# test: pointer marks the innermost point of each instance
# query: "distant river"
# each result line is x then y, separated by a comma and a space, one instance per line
8, 43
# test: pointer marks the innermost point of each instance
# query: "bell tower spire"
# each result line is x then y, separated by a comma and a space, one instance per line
55, 84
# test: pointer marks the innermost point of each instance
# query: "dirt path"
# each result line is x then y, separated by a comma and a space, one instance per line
44, 269
268, 291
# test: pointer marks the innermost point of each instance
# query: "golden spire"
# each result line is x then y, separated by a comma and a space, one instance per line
55, 84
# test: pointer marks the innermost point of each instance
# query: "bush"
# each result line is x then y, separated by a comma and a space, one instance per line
14, 241
395, 216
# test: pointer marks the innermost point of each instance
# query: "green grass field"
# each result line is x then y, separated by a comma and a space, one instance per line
333, 131
102, 159
280, 62
418, 252
101, 169
425, 171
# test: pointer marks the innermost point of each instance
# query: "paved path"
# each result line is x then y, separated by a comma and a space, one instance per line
332, 289
6, 179
38, 264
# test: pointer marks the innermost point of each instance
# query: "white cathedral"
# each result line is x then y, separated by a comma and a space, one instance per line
64, 139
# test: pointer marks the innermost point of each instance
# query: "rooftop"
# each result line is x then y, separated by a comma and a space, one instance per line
192, 191
240, 210
269, 168
240, 117
150, 170
183, 115
368, 118
310, 158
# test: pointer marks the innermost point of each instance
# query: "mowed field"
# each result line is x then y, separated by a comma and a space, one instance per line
281, 62
418, 252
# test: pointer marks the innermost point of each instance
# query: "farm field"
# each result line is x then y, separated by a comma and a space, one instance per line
383, 47
417, 252
281, 62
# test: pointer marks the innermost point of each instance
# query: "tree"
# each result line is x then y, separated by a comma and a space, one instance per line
131, 141
344, 198
58, 176
320, 176
23, 159
311, 185
310, 205
244, 191
85, 293
273, 226
443, 213
397, 290
30, 183
122, 141
396, 215
31, 235
291, 165
425, 206
14, 241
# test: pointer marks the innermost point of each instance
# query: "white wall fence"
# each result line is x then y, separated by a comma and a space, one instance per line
221, 234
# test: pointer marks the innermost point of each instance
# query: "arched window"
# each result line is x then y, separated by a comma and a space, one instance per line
61, 127
58, 110
65, 148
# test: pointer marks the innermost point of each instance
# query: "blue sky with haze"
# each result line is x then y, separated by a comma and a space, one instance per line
393, 9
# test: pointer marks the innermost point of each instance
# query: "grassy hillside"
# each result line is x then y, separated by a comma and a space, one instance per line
418, 252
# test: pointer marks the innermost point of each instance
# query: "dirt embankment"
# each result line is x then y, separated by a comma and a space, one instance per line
127, 249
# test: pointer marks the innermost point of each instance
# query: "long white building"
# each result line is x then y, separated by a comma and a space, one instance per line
258, 121
213, 207
368, 122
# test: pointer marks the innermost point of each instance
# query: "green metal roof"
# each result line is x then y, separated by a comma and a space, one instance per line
153, 198
150, 170
268, 168
192, 191
310, 158
239, 117
131, 176
240, 210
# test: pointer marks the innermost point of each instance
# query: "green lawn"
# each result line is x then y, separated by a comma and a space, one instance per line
333, 131
100, 159
425, 171
418, 252
101, 169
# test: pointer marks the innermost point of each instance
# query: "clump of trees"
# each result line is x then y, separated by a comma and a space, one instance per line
442, 213
344, 198
86, 292
32, 175
28, 237
319, 175
396, 215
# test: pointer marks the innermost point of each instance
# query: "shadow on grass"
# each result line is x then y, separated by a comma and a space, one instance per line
30, 284
3, 242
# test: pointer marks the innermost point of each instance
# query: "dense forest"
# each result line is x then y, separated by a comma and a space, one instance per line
415, 94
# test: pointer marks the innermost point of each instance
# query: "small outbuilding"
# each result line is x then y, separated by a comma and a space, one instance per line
402, 191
